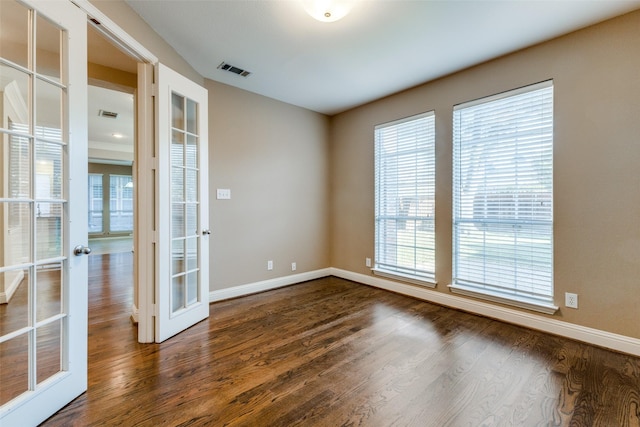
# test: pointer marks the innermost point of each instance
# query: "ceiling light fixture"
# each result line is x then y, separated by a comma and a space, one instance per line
327, 10
117, 135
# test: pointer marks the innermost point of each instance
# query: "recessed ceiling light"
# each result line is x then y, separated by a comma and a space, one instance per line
117, 135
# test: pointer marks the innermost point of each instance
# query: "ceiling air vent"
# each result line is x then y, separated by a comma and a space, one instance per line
107, 114
235, 70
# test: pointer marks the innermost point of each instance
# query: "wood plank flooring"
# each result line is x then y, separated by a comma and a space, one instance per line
331, 352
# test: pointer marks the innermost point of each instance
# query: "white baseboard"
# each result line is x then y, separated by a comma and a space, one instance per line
265, 285
593, 336
11, 289
134, 313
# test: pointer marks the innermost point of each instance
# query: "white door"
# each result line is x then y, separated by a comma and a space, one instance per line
182, 292
43, 212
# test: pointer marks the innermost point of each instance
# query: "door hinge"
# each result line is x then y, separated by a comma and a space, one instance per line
154, 163
154, 89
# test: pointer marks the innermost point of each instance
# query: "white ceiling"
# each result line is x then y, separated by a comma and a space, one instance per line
381, 47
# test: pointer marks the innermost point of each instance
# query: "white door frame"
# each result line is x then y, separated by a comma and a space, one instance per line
144, 169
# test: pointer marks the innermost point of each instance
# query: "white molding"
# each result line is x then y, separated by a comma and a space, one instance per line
5, 296
266, 285
134, 313
115, 33
585, 334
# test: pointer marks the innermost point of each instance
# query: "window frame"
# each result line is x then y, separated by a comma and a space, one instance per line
421, 199
505, 208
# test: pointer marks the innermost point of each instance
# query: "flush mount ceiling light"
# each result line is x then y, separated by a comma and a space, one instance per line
327, 10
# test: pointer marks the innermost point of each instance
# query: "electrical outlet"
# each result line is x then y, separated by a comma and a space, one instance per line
269, 265
367, 262
570, 300
293, 266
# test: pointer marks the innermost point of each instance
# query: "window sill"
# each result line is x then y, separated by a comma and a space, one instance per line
513, 300
427, 282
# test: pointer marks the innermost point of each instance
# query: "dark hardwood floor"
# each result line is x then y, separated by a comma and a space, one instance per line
331, 352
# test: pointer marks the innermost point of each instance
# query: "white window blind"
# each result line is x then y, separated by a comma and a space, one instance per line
503, 195
404, 198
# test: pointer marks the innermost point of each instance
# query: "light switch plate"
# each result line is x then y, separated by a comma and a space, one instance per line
223, 194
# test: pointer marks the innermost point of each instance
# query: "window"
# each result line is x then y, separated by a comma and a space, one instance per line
404, 199
95, 203
110, 211
121, 203
503, 198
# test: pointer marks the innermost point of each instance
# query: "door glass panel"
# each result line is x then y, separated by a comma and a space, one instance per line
15, 316
14, 85
191, 185
48, 170
192, 219
17, 152
192, 254
192, 117
48, 292
48, 230
177, 216
48, 349
14, 30
177, 148
48, 110
177, 255
177, 113
177, 184
178, 294
192, 152
15, 380
48, 38
192, 287
17, 235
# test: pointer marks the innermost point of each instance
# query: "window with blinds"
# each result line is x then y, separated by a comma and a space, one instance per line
503, 197
404, 199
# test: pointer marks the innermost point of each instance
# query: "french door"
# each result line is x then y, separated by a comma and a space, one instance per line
43, 212
182, 288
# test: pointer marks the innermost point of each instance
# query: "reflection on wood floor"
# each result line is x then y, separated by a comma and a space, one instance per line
110, 245
330, 352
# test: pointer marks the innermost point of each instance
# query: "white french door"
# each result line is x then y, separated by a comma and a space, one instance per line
43, 212
182, 288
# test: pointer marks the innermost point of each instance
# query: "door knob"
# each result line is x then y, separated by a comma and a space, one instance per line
206, 232
81, 250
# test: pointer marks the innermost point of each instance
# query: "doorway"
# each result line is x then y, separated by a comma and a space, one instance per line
112, 77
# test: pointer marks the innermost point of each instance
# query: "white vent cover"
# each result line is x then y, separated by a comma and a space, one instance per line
232, 69
107, 114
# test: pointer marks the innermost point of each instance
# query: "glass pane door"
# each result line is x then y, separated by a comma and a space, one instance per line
32, 210
183, 284
36, 336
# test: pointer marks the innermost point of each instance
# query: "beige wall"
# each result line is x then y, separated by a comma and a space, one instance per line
596, 75
274, 159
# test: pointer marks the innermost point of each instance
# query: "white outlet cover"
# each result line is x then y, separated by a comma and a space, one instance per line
571, 300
